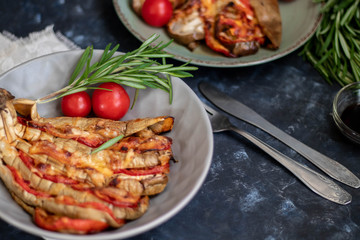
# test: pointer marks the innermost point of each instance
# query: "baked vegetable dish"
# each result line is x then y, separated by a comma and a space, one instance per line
49, 167
233, 28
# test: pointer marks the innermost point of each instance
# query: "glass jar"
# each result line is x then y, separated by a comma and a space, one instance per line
346, 111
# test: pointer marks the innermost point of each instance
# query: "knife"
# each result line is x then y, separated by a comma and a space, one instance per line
242, 112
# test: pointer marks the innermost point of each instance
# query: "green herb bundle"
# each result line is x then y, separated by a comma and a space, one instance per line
138, 69
334, 50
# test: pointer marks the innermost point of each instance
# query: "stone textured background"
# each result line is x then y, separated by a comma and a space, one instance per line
247, 195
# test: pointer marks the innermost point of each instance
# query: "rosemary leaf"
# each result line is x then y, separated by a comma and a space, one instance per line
104, 56
328, 5
342, 5
108, 144
328, 40
125, 78
157, 55
171, 89
81, 64
135, 98
344, 45
133, 85
356, 70
160, 67
111, 53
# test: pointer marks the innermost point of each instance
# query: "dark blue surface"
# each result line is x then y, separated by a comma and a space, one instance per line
246, 195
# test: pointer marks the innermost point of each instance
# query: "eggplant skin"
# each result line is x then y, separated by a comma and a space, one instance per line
187, 26
245, 48
4, 97
137, 5
268, 15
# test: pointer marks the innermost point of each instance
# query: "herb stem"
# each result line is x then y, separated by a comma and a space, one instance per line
138, 69
333, 50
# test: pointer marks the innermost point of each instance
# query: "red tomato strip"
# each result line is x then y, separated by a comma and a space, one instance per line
110, 195
145, 171
66, 224
51, 150
29, 162
102, 207
25, 184
95, 205
59, 179
64, 200
212, 42
93, 143
102, 193
141, 145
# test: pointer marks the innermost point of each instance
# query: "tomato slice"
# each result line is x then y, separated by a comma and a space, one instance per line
117, 197
93, 143
29, 162
25, 184
145, 171
67, 200
66, 224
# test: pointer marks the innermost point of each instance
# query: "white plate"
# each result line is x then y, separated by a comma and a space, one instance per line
192, 141
300, 18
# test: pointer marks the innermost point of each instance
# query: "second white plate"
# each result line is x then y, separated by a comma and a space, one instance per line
300, 18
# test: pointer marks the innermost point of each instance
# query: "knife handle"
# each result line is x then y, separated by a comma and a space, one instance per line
318, 183
326, 164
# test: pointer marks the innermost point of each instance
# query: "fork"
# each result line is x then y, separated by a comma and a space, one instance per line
318, 183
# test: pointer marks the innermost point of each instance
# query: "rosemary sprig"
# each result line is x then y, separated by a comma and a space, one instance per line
334, 50
138, 69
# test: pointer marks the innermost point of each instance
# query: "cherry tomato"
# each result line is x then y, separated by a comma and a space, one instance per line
76, 104
157, 13
110, 104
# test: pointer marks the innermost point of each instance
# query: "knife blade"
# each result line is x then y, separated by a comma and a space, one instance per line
235, 108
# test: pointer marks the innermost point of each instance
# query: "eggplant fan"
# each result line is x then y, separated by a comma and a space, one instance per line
233, 28
49, 169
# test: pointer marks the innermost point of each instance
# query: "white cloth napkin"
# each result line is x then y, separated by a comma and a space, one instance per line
14, 50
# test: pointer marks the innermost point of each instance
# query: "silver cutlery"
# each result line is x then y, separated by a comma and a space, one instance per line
318, 183
242, 112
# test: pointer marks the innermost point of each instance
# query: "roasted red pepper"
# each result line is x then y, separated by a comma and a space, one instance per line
66, 224
29, 162
25, 184
117, 197
146, 171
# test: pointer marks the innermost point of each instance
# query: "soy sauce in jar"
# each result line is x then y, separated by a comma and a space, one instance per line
351, 117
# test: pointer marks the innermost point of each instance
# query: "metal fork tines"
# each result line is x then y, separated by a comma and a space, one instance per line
318, 183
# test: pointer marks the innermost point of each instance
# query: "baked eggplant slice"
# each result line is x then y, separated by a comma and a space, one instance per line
187, 26
268, 15
49, 169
